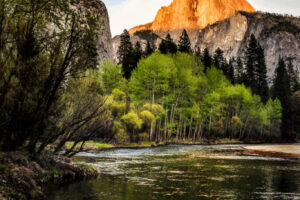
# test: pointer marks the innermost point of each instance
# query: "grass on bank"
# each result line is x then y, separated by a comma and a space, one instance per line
92, 145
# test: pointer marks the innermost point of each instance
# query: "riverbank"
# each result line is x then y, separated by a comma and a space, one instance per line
94, 145
276, 150
22, 175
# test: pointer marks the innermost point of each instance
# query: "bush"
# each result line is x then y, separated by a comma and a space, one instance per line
147, 116
121, 137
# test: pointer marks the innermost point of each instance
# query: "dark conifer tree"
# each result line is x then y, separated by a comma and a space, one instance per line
184, 43
230, 71
206, 59
198, 53
293, 77
149, 49
256, 70
219, 60
163, 47
171, 46
167, 45
137, 52
261, 75
295, 115
250, 63
281, 90
125, 53
239, 71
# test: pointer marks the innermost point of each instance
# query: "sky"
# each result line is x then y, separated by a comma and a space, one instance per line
125, 14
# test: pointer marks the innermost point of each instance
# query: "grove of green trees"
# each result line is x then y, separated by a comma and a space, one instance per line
171, 98
53, 90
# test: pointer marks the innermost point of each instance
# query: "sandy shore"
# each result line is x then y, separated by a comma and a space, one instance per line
291, 150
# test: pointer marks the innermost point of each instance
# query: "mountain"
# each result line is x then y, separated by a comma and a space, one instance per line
194, 14
104, 38
279, 35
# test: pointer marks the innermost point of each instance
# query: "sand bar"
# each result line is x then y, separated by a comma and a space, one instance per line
275, 149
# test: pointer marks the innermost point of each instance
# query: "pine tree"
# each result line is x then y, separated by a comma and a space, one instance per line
149, 49
230, 72
239, 72
198, 53
167, 45
171, 46
207, 60
293, 77
261, 75
219, 60
184, 43
256, 70
137, 52
125, 53
163, 47
250, 63
281, 90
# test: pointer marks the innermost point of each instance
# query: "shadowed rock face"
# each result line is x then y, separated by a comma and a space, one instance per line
278, 35
194, 14
104, 39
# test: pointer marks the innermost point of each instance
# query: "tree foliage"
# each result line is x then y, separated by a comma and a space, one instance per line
44, 44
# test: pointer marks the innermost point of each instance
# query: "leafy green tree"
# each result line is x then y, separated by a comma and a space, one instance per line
83, 114
184, 43
37, 63
150, 79
125, 54
274, 111
111, 75
132, 123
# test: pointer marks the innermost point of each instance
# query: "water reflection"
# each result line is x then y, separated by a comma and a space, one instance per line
183, 172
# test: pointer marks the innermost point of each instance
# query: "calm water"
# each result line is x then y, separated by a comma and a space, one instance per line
183, 173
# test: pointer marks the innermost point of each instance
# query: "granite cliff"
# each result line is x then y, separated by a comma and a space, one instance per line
104, 39
194, 14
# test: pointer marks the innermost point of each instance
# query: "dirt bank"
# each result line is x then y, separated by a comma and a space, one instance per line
277, 150
22, 175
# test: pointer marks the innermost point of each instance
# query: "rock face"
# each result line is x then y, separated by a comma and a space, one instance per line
104, 39
194, 14
278, 35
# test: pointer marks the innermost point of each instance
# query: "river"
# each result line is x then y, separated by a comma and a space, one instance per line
183, 173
